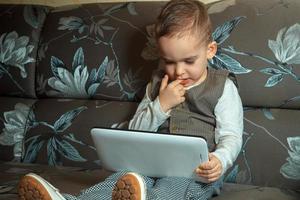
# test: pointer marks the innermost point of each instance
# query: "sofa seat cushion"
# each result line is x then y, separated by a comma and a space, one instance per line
251, 192
72, 180
69, 180
270, 149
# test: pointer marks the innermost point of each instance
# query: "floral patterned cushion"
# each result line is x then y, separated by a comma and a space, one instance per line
62, 136
264, 53
270, 153
19, 37
98, 51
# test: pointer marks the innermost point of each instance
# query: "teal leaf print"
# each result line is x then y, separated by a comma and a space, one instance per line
68, 151
14, 52
78, 59
15, 127
297, 98
111, 77
34, 15
115, 8
224, 61
291, 169
69, 85
272, 71
268, 114
72, 23
131, 8
287, 51
66, 119
131, 80
98, 27
33, 149
78, 83
274, 80
72, 138
120, 125
102, 69
98, 75
92, 89
51, 152
55, 65
222, 32
286, 48
231, 177
57, 146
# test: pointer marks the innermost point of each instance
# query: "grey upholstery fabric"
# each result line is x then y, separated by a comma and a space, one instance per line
65, 70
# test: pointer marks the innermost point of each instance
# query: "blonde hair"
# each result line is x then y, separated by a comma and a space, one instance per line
184, 17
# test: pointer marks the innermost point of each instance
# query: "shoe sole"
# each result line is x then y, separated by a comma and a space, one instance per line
130, 186
31, 189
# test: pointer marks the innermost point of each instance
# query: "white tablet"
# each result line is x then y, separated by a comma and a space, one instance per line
148, 153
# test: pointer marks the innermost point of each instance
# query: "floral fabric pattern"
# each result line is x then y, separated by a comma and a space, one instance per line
15, 127
291, 169
18, 48
87, 66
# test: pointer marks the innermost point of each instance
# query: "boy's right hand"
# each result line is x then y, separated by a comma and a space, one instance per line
170, 94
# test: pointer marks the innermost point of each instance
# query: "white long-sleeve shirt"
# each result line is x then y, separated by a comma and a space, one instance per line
229, 122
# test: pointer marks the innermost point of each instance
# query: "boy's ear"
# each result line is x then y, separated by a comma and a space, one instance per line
212, 49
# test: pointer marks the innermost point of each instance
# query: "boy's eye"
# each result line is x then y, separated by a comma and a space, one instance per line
189, 62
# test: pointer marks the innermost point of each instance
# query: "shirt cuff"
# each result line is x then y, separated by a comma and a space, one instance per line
159, 110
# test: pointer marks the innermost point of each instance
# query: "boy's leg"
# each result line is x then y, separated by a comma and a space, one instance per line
174, 188
203, 191
32, 187
171, 188
104, 189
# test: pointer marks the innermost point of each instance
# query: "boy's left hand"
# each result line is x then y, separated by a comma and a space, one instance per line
210, 170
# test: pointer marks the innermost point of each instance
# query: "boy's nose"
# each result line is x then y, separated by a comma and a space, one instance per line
179, 69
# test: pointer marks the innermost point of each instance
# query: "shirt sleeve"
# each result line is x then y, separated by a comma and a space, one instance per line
149, 115
229, 126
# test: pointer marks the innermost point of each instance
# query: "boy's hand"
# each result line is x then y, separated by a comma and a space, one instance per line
210, 170
171, 94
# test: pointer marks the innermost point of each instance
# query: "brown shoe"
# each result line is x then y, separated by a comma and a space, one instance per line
130, 186
33, 187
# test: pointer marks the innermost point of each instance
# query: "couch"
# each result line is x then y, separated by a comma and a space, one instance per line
68, 69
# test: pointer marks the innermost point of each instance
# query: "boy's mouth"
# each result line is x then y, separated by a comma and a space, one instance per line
184, 82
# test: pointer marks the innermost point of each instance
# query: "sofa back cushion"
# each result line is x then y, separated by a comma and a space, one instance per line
259, 41
107, 51
19, 37
100, 51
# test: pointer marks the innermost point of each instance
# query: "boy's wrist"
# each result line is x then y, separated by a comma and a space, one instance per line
158, 106
163, 106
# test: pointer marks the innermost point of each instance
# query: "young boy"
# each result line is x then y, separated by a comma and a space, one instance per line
183, 97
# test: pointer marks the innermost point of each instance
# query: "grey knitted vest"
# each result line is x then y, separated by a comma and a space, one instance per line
195, 116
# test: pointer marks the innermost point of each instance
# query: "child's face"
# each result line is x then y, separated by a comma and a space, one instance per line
185, 59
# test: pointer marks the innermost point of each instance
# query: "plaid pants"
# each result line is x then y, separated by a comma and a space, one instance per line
168, 188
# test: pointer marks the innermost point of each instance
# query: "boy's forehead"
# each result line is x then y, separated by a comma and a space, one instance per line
177, 49
190, 41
